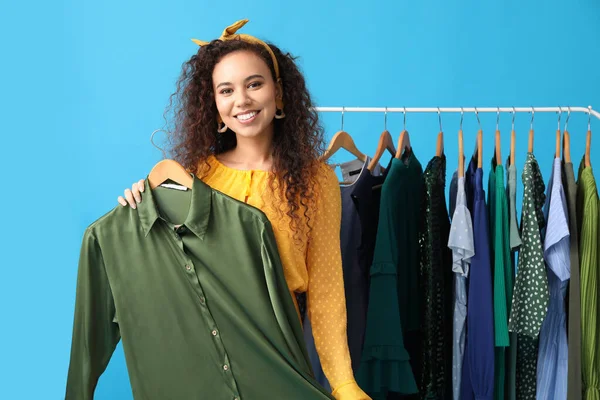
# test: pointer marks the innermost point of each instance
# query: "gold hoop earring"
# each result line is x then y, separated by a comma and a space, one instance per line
221, 129
279, 114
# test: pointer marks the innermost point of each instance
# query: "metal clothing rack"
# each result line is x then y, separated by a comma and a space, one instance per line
587, 110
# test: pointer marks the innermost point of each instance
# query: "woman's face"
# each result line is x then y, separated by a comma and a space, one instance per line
245, 94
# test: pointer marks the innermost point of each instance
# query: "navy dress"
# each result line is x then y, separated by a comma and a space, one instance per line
478, 365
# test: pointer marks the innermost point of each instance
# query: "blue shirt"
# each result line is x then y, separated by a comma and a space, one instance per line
553, 350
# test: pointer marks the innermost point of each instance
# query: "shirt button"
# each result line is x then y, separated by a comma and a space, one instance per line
202, 300
225, 367
214, 332
188, 267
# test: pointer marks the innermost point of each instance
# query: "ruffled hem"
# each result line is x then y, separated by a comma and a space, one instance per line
375, 377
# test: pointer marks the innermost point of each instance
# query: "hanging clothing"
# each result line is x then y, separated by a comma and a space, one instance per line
385, 364
587, 218
530, 298
553, 351
460, 241
360, 213
478, 366
574, 388
503, 276
510, 392
196, 319
435, 277
357, 237
314, 258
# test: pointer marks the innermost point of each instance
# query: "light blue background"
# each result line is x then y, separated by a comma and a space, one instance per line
84, 84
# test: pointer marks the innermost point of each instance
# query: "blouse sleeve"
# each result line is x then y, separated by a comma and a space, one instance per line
325, 296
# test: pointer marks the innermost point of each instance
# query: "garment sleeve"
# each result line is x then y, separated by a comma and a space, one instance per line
326, 301
95, 333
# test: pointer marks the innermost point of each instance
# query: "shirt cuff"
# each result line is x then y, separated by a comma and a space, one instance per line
349, 390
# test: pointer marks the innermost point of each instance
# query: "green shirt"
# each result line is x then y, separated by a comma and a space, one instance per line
587, 218
197, 293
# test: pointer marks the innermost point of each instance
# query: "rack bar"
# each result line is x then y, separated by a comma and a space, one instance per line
587, 110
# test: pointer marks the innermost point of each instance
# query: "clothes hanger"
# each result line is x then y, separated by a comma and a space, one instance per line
557, 150
566, 147
343, 140
403, 140
439, 148
168, 169
513, 139
385, 143
479, 142
588, 140
461, 154
498, 141
530, 145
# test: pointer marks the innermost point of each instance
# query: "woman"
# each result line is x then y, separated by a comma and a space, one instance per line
244, 124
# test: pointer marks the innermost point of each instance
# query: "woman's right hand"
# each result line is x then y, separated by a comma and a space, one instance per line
133, 195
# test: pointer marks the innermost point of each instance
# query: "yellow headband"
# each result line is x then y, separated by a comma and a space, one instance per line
230, 34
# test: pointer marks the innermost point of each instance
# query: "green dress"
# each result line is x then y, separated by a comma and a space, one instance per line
587, 218
385, 365
503, 278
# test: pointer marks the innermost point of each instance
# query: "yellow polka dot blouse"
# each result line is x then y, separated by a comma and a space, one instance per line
311, 264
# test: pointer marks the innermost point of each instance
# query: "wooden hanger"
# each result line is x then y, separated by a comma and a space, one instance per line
403, 140
530, 144
439, 148
588, 144
557, 149
385, 143
513, 139
461, 155
479, 149
403, 143
498, 140
566, 145
498, 152
169, 169
343, 140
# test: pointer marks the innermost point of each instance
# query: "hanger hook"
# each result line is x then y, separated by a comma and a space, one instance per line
497, 118
477, 115
343, 109
155, 145
404, 118
440, 119
385, 119
567, 121
589, 117
531, 123
559, 115
513, 119
462, 114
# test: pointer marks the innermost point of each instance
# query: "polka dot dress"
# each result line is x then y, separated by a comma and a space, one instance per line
530, 297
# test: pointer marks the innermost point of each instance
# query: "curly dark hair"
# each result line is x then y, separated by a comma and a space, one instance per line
298, 139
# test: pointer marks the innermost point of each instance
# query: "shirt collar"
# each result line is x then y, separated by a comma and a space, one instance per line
198, 215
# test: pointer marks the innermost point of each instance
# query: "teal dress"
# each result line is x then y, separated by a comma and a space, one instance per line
385, 363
